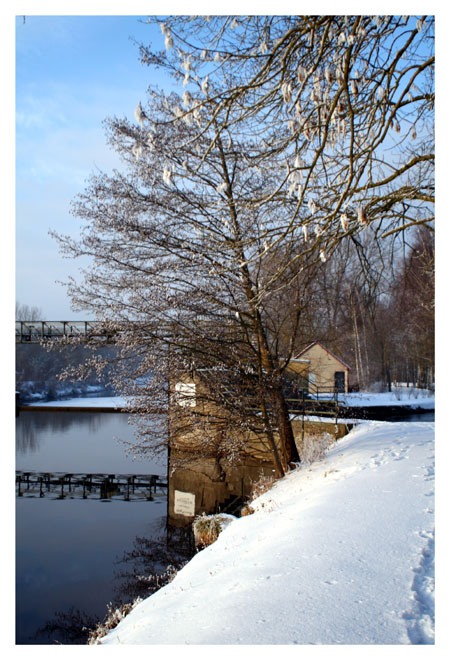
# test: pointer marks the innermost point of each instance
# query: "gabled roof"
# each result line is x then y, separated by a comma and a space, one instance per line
325, 349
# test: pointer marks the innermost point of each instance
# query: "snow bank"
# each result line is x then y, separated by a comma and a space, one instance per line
49, 390
400, 396
85, 402
340, 552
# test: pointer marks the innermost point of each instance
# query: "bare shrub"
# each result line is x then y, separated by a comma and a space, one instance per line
117, 613
112, 620
261, 486
154, 582
315, 447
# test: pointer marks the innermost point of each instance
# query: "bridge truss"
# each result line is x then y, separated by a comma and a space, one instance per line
34, 332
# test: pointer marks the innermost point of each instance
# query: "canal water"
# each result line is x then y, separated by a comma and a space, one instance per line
416, 417
70, 552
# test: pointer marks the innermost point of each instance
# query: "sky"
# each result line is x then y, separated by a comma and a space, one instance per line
71, 73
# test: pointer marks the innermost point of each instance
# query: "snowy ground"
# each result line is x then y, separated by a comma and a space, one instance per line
400, 396
84, 402
341, 552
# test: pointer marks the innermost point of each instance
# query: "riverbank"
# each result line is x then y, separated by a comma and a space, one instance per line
386, 405
340, 552
358, 405
80, 404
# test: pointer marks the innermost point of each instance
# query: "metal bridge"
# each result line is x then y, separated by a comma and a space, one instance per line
98, 331
37, 331
103, 486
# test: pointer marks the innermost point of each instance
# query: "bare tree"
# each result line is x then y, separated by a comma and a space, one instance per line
235, 192
185, 272
413, 301
346, 101
27, 313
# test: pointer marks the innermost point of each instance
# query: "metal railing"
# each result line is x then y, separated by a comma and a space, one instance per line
61, 485
37, 331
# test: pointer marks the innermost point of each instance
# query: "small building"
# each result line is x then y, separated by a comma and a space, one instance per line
326, 372
202, 479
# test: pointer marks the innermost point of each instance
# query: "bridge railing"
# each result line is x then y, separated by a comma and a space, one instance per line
105, 486
37, 331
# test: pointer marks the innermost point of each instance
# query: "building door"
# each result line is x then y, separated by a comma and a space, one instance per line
339, 381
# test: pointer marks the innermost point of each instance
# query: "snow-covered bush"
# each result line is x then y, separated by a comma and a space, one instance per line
207, 528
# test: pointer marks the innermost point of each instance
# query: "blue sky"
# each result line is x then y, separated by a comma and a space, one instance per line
71, 73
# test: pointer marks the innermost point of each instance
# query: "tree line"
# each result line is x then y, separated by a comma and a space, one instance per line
381, 321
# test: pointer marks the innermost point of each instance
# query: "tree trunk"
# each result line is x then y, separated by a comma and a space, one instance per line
287, 441
285, 426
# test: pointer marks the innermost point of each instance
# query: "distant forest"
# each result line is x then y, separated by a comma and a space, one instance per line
380, 322
37, 373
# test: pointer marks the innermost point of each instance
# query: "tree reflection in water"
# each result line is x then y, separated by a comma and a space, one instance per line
152, 563
30, 426
71, 627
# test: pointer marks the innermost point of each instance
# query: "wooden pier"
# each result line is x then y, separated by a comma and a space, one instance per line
100, 486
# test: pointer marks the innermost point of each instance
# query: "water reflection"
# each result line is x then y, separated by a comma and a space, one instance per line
67, 551
151, 564
70, 627
80, 442
31, 427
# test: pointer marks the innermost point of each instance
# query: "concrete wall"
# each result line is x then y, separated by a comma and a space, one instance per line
317, 428
213, 481
200, 433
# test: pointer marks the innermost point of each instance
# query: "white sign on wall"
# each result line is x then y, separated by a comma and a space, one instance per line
185, 394
184, 503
